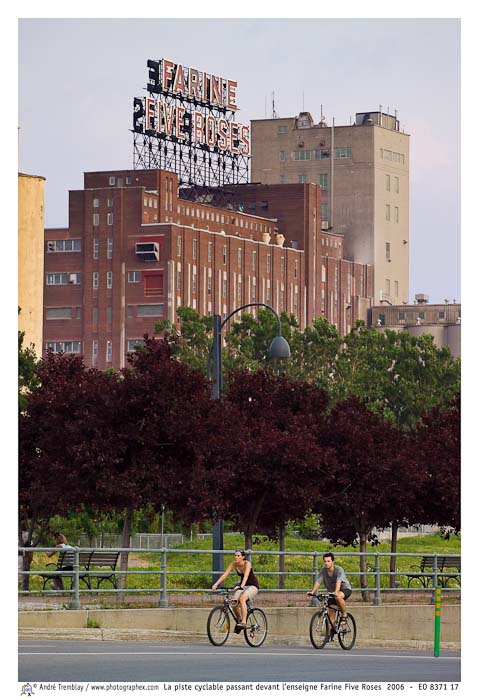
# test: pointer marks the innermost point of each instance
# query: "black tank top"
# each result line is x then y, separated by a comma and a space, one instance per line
251, 580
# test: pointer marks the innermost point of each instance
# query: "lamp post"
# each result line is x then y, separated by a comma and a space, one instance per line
279, 348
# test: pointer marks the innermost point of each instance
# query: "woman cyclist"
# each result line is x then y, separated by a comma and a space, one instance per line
245, 589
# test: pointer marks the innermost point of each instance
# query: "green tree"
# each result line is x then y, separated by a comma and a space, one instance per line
27, 378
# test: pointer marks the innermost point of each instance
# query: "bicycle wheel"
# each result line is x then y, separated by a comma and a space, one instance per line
218, 626
319, 629
256, 627
347, 633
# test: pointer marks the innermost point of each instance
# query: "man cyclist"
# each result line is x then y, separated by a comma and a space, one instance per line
336, 583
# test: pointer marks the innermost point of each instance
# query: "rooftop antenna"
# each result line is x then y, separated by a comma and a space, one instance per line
275, 116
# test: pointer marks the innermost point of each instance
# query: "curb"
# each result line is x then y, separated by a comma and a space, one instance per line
110, 635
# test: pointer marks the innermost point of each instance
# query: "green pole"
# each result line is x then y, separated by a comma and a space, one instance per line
437, 623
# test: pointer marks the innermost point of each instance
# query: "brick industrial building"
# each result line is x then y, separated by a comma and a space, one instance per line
134, 251
363, 172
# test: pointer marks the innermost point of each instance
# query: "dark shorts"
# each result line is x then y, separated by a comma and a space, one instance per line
346, 592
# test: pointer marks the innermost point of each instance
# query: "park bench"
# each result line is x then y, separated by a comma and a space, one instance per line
88, 562
424, 573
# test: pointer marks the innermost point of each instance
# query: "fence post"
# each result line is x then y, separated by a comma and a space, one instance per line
377, 577
434, 579
314, 601
163, 597
75, 601
437, 623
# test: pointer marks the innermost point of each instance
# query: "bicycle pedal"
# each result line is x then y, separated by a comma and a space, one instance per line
238, 629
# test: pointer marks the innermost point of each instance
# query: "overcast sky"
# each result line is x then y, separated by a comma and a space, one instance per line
78, 77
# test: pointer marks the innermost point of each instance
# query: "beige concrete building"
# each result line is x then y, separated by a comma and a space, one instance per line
363, 172
31, 189
442, 321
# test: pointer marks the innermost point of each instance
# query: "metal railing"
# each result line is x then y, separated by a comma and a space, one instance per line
374, 573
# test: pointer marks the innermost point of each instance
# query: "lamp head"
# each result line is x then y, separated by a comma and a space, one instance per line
279, 348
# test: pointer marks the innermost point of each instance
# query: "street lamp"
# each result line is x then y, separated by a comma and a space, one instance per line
279, 348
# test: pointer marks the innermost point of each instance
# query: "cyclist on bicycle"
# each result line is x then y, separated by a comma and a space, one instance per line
245, 589
336, 583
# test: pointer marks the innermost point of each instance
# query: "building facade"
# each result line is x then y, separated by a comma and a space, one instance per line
134, 251
442, 321
31, 190
363, 173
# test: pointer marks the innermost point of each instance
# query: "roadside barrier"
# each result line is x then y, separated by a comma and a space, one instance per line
378, 579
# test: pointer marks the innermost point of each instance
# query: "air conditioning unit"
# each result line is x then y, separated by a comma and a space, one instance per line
51, 246
324, 225
148, 252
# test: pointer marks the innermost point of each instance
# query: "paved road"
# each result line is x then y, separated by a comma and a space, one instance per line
123, 661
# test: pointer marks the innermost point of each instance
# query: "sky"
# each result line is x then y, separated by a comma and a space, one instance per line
77, 79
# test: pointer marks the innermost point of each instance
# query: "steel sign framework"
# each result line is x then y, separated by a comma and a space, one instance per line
186, 124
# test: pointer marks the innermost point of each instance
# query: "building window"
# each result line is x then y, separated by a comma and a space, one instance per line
134, 344
67, 346
323, 273
388, 183
388, 212
109, 280
108, 351
324, 212
282, 155
282, 265
69, 245
128, 181
441, 314
63, 312
96, 219
225, 286
323, 181
239, 257
95, 314
109, 250
210, 252
382, 319
195, 248
268, 263
396, 185
282, 129
130, 310
109, 314
109, 203
296, 268
396, 215
402, 316
94, 352
109, 219
96, 248
95, 280
388, 286
178, 246
134, 276
111, 180
301, 155
388, 250
343, 152
193, 282
240, 286
150, 309
210, 281
178, 281
282, 179
303, 179
57, 278
96, 203
253, 260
